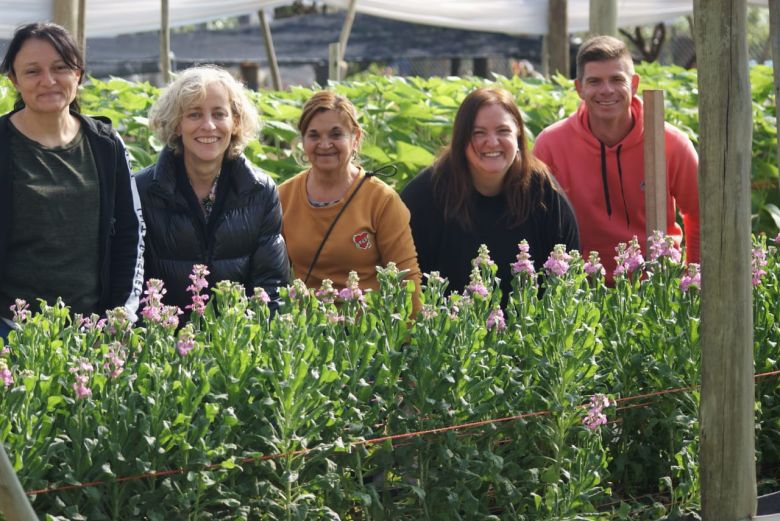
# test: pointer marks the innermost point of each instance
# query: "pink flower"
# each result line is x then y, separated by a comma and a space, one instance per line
483, 257
327, 293
115, 359
169, 316
117, 320
777, 239
593, 265
558, 261
352, 291
524, 263
759, 262
661, 245
333, 317
496, 320
5, 374
629, 257
428, 312
261, 296
152, 302
595, 416
81, 375
692, 277
199, 283
20, 310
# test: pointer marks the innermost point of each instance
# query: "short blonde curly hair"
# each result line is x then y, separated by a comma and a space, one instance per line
189, 88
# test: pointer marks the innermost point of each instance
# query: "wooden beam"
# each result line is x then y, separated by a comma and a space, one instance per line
727, 422
14, 504
774, 35
334, 64
346, 29
65, 13
81, 24
655, 162
270, 52
558, 37
165, 42
603, 17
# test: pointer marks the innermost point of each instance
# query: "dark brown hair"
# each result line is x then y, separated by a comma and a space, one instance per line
58, 37
523, 185
599, 49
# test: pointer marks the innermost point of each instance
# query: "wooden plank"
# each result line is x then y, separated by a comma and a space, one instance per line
558, 37
346, 29
65, 13
727, 422
655, 162
334, 65
603, 17
165, 42
273, 64
81, 24
13, 501
774, 35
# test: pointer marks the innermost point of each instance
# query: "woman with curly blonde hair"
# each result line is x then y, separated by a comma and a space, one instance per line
203, 202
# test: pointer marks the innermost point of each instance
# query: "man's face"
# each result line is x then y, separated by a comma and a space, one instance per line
607, 87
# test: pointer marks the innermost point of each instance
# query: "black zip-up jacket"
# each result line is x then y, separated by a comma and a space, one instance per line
241, 242
120, 231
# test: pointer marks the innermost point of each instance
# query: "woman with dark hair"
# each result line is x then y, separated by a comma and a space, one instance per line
486, 188
70, 222
204, 202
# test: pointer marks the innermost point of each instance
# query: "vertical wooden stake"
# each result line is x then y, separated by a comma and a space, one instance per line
65, 13
334, 65
13, 501
603, 17
727, 416
165, 43
558, 37
655, 162
276, 77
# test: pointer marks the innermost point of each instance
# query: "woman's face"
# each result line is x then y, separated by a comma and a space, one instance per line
492, 148
207, 126
329, 142
44, 81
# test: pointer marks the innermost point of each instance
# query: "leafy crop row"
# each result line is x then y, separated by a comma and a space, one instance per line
408, 120
341, 410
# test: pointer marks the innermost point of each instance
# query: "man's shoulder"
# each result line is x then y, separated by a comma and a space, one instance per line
559, 127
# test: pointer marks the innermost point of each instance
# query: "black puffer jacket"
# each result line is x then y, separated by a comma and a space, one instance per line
241, 242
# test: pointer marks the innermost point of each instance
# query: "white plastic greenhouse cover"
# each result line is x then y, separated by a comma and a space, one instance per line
112, 17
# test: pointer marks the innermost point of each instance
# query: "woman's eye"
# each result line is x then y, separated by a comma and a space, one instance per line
193, 115
61, 68
31, 72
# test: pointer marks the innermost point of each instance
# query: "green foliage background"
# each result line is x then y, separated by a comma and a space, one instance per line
407, 120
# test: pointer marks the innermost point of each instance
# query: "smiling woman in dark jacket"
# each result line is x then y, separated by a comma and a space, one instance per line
203, 202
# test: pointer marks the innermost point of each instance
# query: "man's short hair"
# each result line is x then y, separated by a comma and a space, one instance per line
601, 48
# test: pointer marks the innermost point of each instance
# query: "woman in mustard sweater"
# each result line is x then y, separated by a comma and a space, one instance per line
336, 217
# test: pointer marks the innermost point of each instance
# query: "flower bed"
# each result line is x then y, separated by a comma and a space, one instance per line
336, 409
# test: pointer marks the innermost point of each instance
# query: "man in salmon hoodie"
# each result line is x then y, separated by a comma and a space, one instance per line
597, 156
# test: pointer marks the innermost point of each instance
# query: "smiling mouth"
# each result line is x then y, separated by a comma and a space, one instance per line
207, 140
492, 155
607, 103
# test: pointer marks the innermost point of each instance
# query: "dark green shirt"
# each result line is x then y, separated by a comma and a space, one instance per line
53, 241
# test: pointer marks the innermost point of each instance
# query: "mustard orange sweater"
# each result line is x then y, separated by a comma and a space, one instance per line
372, 231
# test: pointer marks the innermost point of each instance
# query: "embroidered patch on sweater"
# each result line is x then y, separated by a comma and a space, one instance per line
362, 240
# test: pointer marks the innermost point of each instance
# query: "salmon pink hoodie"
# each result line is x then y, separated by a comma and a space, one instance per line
605, 185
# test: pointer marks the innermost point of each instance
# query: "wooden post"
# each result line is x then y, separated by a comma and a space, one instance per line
774, 35
270, 53
65, 13
334, 67
13, 501
655, 162
346, 29
81, 24
603, 17
727, 470
557, 37
165, 43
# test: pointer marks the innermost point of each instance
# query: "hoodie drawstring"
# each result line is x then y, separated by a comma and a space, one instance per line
604, 178
606, 185
620, 177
